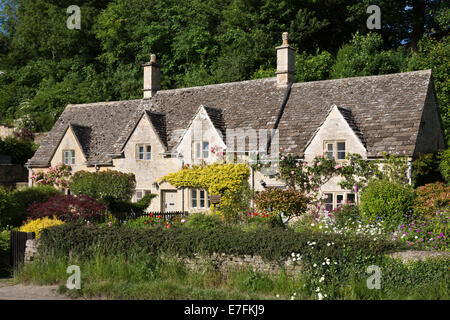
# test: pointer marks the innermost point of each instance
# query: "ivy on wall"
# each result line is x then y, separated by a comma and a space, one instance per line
225, 180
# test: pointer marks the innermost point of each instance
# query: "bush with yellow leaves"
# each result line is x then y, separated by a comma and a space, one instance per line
38, 225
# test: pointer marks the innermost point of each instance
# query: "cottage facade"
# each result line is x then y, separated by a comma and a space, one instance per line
156, 135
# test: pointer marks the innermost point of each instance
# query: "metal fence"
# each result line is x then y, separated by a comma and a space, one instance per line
18, 242
167, 216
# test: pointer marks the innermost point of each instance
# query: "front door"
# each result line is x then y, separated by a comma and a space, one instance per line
169, 201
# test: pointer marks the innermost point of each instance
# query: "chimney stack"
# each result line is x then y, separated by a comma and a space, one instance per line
285, 62
152, 77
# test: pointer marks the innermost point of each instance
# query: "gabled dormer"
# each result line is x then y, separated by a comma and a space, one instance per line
203, 140
337, 136
73, 148
147, 139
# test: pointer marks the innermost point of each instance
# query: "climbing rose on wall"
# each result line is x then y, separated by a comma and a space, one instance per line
57, 176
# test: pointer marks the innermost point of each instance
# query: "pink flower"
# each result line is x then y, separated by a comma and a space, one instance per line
319, 163
292, 172
304, 164
338, 166
282, 158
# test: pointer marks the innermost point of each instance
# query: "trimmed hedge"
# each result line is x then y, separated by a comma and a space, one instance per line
103, 185
274, 244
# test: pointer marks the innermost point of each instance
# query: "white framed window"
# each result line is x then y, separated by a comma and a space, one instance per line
334, 200
139, 194
143, 152
201, 150
69, 157
335, 149
199, 198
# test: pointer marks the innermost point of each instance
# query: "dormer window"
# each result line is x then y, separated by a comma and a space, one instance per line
69, 157
335, 149
143, 152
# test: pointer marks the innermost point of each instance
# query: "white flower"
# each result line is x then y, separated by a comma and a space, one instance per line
328, 244
319, 295
277, 295
322, 279
317, 289
292, 254
292, 298
314, 265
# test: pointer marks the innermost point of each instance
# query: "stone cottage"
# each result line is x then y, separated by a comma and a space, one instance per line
166, 129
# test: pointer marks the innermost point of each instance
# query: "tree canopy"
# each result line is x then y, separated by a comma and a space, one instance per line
46, 65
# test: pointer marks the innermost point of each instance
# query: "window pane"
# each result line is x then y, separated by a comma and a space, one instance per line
351, 198
202, 198
341, 150
197, 150
148, 153
72, 154
138, 195
66, 157
328, 201
339, 199
141, 153
193, 198
205, 150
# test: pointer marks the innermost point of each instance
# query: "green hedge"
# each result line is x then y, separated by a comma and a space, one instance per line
273, 244
103, 185
19, 150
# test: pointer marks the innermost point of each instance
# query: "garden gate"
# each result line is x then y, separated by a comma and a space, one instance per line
18, 242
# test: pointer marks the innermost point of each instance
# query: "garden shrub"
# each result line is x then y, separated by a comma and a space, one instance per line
386, 200
14, 204
287, 203
432, 197
274, 244
444, 165
425, 169
38, 225
125, 209
201, 221
346, 214
69, 208
103, 185
5, 268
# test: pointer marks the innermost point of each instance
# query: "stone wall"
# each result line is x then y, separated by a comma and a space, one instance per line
226, 263
6, 131
31, 247
10, 174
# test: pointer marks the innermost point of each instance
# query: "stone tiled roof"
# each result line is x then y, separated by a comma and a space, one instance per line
385, 111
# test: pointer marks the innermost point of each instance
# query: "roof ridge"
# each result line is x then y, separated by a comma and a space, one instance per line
425, 71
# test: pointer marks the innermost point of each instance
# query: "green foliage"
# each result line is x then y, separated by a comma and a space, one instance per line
435, 54
201, 221
19, 150
284, 203
444, 165
313, 67
275, 244
425, 169
103, 185
14, 204
388, 200
5, 269
124, 209
363, 56
431, 198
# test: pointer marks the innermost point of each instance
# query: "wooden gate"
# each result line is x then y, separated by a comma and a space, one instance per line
18, 242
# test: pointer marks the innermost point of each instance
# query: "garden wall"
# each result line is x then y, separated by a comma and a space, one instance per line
10, 174
220, 262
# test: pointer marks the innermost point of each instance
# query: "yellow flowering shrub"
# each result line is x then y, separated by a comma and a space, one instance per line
38, 225
218, 178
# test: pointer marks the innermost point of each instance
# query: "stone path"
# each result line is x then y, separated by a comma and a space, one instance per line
11, 291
